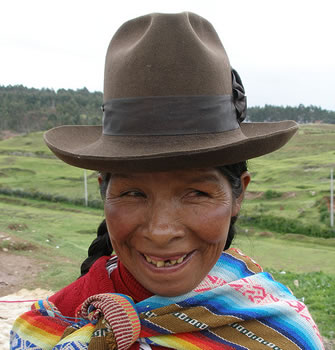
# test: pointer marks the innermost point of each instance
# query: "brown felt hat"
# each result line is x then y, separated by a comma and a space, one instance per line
171, 101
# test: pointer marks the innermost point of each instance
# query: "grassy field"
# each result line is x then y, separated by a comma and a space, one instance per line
27, 164
291, 184
57, 235
294, 182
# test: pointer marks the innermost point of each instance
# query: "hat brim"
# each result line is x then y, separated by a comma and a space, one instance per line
86, 147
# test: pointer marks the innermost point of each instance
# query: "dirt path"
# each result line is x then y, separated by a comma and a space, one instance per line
15, 274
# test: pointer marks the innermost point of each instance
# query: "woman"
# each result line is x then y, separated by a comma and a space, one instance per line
172, 157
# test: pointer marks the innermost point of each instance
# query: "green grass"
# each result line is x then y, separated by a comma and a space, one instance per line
29, 143
60, 235
288, 254
23, 166
304, 161
45, 175
294, 182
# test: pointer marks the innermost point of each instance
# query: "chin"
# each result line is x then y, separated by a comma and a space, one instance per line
171, 293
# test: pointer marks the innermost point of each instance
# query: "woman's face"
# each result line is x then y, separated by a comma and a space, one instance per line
169, 228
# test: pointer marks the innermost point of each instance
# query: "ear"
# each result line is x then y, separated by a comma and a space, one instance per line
100, 179
245, 179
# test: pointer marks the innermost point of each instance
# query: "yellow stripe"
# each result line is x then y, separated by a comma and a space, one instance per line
36, 335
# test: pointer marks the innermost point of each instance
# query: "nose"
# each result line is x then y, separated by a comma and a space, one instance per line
163, 225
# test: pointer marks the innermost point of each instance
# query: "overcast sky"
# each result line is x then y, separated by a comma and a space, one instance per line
283, 50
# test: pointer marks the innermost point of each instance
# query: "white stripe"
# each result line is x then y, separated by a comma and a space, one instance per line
143, 344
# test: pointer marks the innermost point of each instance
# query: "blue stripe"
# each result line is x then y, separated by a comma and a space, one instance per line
227, 301
237, 266
292, 330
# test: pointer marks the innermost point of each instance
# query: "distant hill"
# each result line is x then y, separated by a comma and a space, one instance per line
301, 114
27, 109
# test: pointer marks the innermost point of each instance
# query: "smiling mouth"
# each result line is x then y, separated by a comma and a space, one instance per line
165, 263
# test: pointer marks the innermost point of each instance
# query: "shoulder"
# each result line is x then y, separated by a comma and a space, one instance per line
94, 282
241, 260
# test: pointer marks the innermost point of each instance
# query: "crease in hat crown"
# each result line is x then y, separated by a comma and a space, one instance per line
169, 103
166, 55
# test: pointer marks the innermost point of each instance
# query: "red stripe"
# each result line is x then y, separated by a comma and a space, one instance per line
43, 323
146, 332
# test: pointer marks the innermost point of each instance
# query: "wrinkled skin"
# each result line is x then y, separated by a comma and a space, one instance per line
166, 215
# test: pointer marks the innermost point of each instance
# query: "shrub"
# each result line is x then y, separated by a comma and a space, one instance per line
270, 194
286, 225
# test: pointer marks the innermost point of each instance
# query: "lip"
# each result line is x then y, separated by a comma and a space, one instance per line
175, 256
167, 269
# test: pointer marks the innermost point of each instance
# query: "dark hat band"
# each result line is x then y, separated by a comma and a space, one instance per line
171, 115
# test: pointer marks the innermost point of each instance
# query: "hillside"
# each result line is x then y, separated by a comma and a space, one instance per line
291, 184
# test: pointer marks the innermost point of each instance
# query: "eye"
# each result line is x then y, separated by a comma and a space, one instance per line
133, 193
197, 194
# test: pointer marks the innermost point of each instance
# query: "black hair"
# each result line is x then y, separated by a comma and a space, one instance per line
233, 173
102, 246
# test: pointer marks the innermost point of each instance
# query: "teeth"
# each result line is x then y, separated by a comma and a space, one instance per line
162, 263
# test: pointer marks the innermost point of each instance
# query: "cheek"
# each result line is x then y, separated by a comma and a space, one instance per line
211, 225
121, 222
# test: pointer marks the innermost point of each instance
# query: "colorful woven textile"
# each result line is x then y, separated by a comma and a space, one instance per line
237, 306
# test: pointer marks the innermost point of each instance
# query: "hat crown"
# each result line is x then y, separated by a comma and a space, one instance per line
171, 101
166, 55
